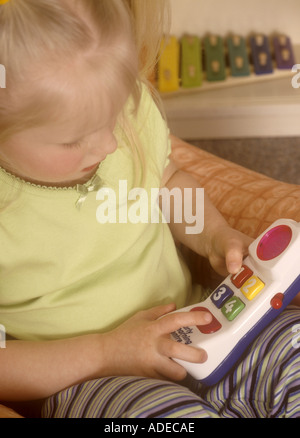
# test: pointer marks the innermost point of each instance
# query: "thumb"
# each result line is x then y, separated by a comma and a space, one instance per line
235, 250
234, 260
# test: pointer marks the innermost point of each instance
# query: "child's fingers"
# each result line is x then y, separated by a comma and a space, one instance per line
175, 321
173, 349
168, 370
171, 370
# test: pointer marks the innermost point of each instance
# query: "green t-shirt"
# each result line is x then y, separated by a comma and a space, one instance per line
64, 274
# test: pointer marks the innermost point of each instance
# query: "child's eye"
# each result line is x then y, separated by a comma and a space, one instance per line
72, 145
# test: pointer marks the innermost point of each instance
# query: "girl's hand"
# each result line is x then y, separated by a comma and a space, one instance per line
226, 250
142, 345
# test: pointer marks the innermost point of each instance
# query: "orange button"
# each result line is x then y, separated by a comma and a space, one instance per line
277, 301
210, 328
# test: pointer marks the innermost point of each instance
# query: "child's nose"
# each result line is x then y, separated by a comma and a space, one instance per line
104, 146
111, 145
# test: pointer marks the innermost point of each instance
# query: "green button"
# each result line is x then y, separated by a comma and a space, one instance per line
232, 308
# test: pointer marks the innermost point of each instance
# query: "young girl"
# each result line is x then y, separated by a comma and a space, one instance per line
82, 300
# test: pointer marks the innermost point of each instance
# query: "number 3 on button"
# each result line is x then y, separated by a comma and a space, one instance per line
232, 308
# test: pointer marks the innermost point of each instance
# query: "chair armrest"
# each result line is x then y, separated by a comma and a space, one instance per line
249, 201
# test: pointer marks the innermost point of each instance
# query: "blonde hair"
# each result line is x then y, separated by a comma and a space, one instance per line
151, 22
38, 31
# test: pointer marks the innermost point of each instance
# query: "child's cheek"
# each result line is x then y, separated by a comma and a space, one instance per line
67, 162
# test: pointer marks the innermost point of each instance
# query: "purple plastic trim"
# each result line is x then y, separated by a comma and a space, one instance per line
242, 345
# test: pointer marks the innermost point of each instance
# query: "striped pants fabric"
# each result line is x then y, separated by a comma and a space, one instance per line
264, 384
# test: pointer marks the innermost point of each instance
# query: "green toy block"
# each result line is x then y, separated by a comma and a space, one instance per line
238, 56
214, 58
191, 62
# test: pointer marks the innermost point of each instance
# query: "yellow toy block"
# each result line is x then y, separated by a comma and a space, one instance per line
168, 66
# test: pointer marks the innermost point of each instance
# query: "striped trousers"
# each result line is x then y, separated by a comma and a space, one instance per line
264, 384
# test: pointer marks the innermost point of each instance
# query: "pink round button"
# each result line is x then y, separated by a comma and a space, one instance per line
274, 242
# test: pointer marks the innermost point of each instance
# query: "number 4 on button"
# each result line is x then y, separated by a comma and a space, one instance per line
232, 308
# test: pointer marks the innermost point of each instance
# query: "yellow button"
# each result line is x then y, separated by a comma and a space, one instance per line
252, 287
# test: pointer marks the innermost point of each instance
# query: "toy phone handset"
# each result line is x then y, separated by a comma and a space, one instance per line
245, 303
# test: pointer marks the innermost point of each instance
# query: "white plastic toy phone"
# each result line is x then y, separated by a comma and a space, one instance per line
245, 303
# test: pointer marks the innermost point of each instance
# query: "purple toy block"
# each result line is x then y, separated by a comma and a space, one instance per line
261, 54
284, 55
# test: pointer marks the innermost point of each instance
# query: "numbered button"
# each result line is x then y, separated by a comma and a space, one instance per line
252, 287
232, 308
221, 295
243, 275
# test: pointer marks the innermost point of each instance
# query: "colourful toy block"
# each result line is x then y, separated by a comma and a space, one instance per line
214, 58
261, 54
168, 65
284, 54
238, 56
191, 62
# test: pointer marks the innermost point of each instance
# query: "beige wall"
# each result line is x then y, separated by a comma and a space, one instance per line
241, 16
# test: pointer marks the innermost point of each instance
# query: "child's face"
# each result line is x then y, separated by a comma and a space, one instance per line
63, 153
68, 150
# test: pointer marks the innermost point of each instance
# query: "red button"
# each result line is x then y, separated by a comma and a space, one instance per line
210, 328
277, 301
242, 276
